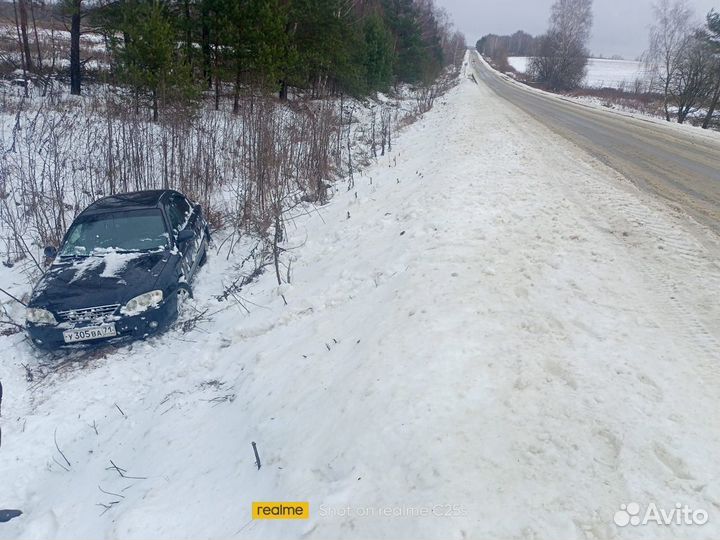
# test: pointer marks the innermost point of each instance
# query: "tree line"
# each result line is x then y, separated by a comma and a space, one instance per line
558, 58
167, 50
684, 59
497, 47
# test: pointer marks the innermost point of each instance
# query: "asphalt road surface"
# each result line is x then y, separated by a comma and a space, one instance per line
683, 168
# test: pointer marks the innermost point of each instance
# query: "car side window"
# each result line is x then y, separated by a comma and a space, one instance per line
179, 211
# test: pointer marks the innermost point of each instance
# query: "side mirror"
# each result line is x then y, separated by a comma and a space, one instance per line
185, 235
50, 252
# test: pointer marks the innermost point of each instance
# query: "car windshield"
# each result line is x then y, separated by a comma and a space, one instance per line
137, 230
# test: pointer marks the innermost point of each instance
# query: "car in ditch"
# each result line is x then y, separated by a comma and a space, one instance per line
122, 271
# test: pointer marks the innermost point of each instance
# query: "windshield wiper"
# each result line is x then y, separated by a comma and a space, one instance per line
72, 256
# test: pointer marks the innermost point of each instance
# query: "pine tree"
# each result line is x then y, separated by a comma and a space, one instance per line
378, 59
147, 55
409, 48
258, 42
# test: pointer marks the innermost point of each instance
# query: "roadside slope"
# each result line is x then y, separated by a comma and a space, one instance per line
479, 322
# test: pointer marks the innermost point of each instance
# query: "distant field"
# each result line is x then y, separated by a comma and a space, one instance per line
601, 72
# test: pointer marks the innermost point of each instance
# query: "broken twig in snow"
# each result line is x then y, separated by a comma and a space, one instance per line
61, 452
122, 472
107, 506
257, 456
13, 297
111, 493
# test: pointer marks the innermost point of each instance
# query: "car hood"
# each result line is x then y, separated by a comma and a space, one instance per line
110, 278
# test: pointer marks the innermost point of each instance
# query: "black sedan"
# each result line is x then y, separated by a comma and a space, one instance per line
122, 270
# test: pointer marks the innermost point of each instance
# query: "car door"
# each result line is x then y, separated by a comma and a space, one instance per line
181, 218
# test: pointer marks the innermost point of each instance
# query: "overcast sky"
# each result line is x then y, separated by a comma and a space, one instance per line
620, 27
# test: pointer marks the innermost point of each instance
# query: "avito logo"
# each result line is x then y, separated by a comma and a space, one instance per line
631, 514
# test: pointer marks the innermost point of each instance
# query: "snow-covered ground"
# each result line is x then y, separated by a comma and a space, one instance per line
56, 46
602, 72
481, 328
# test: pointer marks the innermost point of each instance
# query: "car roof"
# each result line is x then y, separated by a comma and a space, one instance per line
126, 201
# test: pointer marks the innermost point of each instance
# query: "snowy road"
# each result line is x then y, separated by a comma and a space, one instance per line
681, 165
482, 327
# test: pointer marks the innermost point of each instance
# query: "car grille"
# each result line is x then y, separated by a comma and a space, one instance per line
88, 314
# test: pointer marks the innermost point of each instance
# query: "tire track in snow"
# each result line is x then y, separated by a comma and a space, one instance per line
658, 241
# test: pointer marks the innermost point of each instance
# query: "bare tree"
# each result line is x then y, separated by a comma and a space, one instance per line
562, 57
458, 45
573, 20
669, 34
693, 81
712, 38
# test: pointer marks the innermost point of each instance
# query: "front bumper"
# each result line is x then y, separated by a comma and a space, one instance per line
152, 321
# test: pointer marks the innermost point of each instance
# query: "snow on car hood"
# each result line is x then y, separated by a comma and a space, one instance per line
112, 262
103, 278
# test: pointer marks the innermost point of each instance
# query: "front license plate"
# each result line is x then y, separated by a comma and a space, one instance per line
91, 332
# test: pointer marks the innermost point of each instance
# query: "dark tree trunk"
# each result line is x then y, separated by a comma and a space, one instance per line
155, 105
37, 40
289, 31
713, 105
665, 101
217, 79
17, 29
75, 75
188, 37
206, 49
236, 97
22, 11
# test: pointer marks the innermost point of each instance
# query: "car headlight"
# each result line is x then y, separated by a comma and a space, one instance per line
40, 316
142, 303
